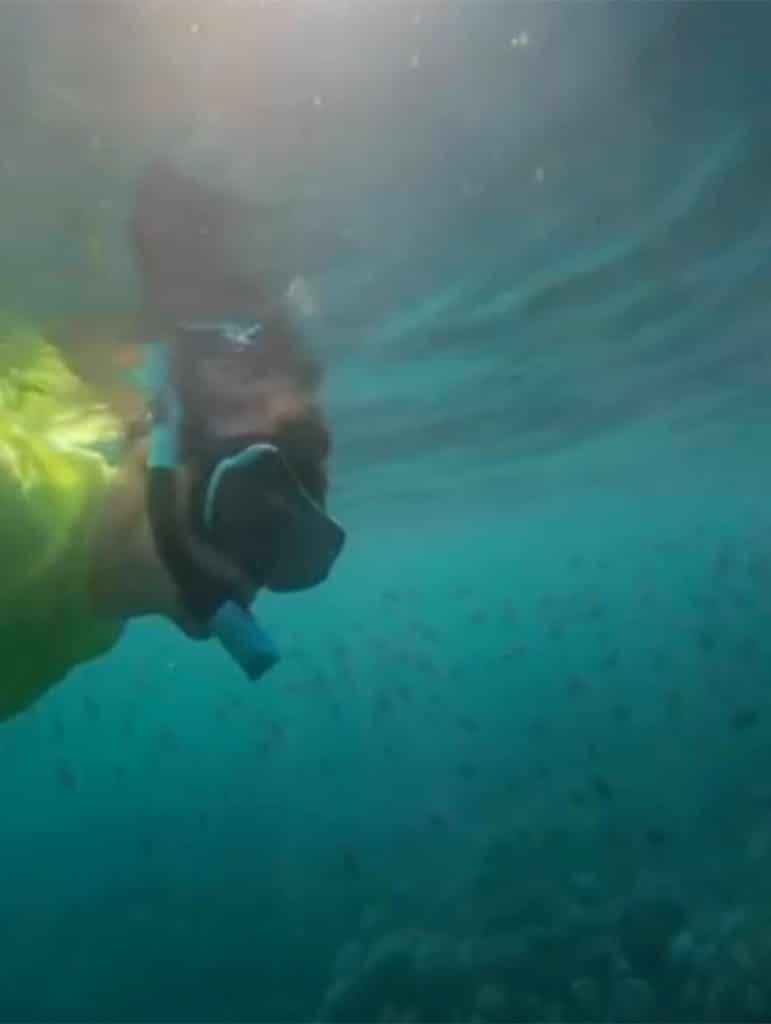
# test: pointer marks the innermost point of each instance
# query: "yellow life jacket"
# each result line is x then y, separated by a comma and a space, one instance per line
58, 442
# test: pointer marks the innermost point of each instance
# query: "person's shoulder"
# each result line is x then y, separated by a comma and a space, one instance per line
103, 352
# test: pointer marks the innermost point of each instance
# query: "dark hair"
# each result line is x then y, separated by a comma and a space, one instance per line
184, 234
185, 238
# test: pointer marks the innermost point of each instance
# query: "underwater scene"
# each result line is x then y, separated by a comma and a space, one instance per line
511, 760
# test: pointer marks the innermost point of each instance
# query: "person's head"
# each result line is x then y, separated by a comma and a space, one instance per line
248, 490
256, 514
253, 448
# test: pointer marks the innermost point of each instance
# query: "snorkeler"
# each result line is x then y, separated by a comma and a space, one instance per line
216, 490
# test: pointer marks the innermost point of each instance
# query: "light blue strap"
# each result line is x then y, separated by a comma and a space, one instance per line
167, 411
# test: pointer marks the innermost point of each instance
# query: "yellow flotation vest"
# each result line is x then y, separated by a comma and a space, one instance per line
58, 444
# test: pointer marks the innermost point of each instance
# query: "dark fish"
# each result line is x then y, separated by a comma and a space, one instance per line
467, 770
725, 560
577, 685
167, 740
537, 728
351, 864
66, 775
277, 731
263, 748
662, 546
675, 704
437, 820
502, 924
383, 703
658, 837
621, 712
478, 618
747, 648
745, 718
611, 660
659, 660
509, 612
602, 787
468, 724
91, 708
705, 639
760, 568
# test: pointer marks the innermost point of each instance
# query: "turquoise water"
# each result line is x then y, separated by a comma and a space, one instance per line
531, 707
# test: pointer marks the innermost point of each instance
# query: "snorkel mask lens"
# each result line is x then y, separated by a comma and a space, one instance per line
256, 511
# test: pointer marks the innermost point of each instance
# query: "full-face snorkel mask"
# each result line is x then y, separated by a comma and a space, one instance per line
249, 503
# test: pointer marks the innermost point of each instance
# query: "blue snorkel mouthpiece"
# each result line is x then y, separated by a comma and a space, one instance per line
244, 639
207, 597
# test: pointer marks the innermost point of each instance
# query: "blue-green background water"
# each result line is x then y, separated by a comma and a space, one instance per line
538, 242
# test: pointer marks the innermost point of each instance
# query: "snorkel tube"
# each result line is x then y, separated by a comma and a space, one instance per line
208, 598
